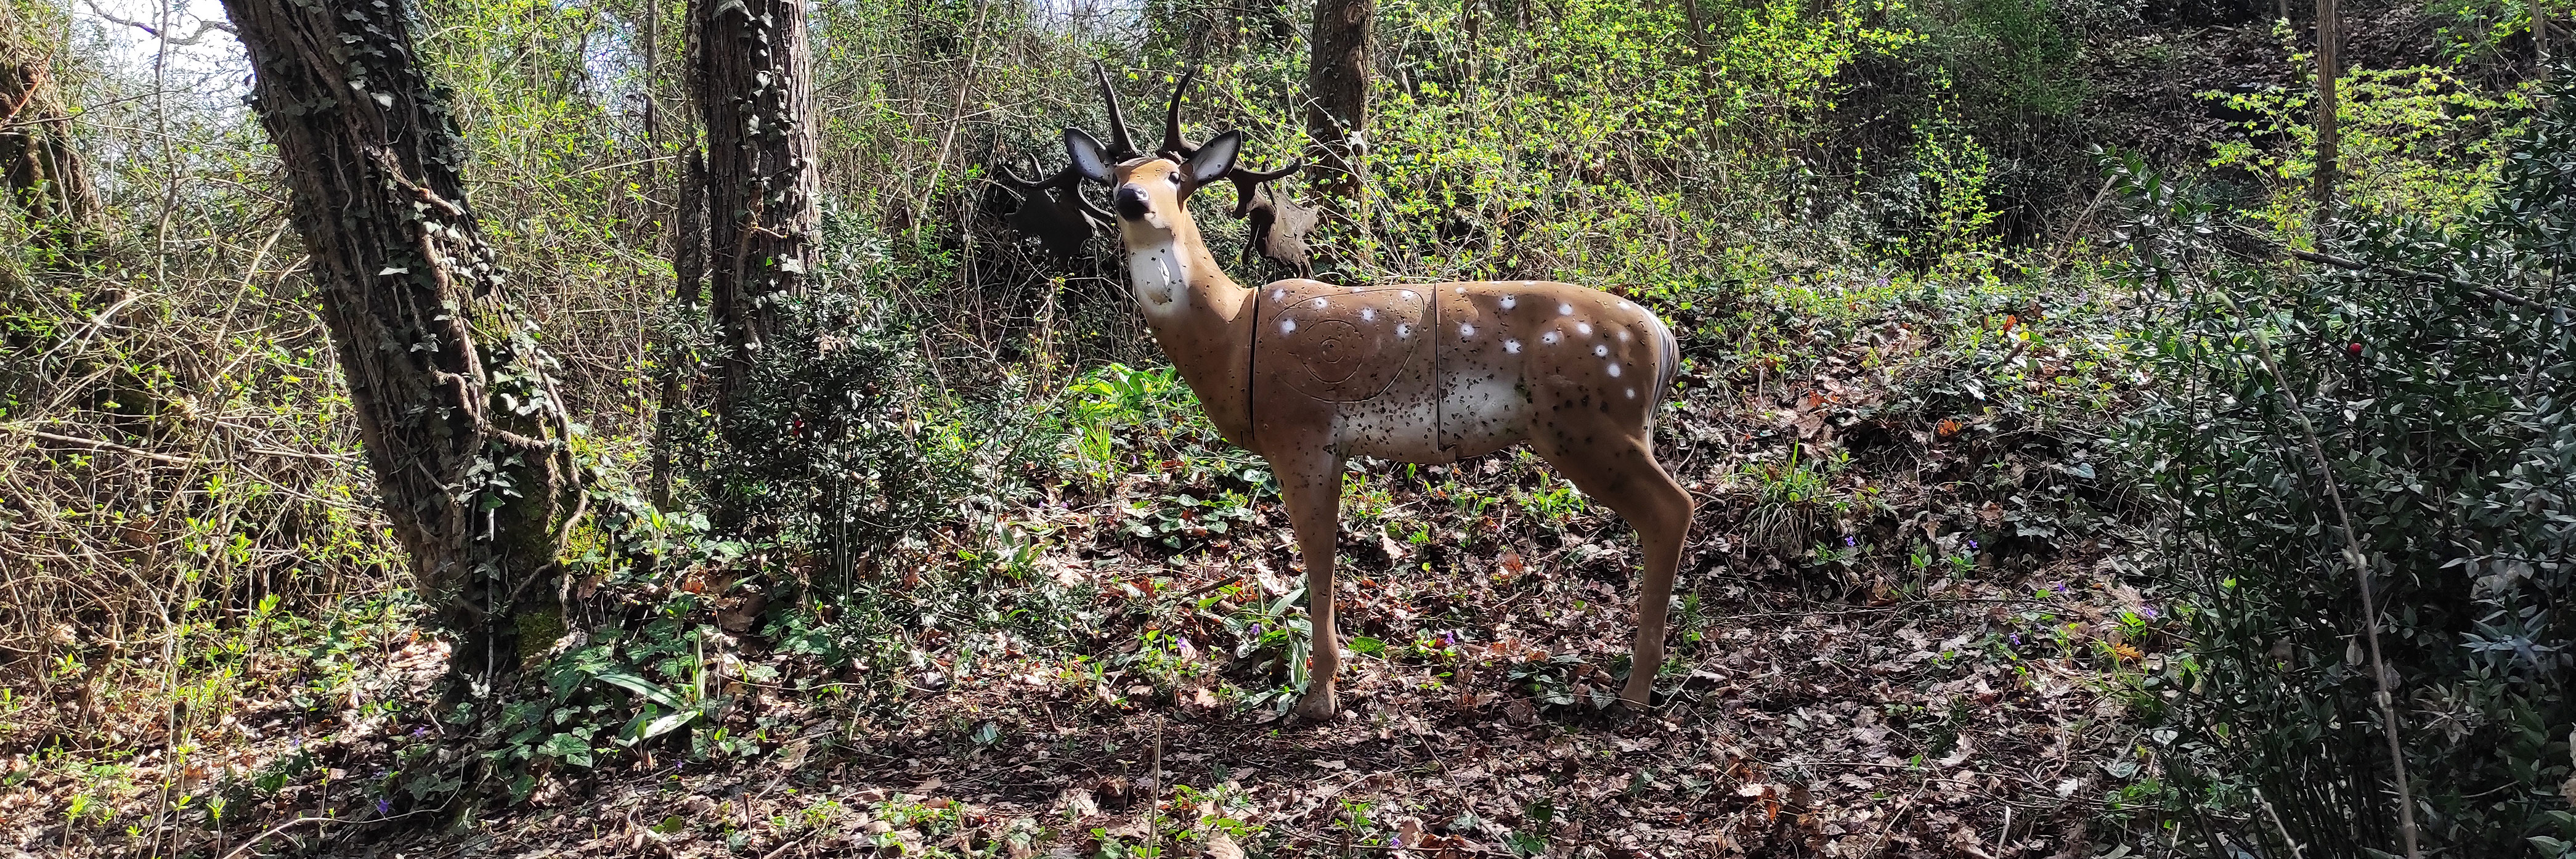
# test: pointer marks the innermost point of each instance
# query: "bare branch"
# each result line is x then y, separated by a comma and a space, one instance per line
203, 25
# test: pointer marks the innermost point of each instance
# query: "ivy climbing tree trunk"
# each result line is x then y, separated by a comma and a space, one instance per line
1337, 78
466, 438
688, 304
43, 171
688, 267
756, 102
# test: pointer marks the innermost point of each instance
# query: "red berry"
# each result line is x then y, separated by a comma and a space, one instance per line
2353, 350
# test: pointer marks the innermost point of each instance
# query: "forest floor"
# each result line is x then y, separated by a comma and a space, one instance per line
1918, 618
1910, 624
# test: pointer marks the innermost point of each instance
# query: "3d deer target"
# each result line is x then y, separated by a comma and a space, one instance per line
1308, 374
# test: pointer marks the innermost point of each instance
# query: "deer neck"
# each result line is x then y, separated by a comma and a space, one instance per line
1199, 316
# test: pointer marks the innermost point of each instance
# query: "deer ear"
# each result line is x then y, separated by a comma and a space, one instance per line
1088, 159
1214, 159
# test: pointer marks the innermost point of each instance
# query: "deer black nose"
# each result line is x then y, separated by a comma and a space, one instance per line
1131, 203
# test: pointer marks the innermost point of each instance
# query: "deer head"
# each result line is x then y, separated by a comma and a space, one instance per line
1054, 211
1156, 188
1279, 225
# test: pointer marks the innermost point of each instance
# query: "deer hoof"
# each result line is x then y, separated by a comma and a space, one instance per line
1317, 706
1639, 696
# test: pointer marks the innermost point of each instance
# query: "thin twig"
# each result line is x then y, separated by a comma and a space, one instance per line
2358, 265
2297, 850
2369, 607
1888, 831
103, 445
273, 830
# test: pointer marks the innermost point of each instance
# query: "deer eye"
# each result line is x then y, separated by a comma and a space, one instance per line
1175, 176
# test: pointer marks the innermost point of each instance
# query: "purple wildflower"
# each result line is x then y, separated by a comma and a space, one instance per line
2015, 638
1849, 540
2148, 612
1448, 639
1972, 545
384, 806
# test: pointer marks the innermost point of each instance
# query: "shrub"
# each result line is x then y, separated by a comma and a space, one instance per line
2438, 386
830, 450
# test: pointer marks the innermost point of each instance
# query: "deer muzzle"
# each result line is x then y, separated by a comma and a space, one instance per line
1132, 204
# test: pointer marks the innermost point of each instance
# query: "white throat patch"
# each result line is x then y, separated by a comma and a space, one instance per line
1160, 273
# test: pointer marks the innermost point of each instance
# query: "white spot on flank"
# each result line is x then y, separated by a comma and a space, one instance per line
1603, 351
1549, 337
1368, 314
1287, 325
1409, 296
1614, 371
1318, 304
1583, 328
1465, 331
1462, 290
1623, 335
1279, 295
1510, 300
1512, 346
1565, 310
1403, 329
1632, 393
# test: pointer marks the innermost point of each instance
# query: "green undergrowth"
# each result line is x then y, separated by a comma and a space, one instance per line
1850, 435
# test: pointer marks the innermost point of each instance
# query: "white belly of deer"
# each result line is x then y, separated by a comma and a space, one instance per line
1470, 419
1160, 273
1483, 415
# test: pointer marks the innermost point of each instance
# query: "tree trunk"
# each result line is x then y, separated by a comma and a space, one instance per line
2329, 22
1337, 78
689, 264
757, 104
43, 172
466, 439
2540, 37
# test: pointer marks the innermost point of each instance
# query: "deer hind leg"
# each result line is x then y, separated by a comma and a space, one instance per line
1622, 472
1312, 486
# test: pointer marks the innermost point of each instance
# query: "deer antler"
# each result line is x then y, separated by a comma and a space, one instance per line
1248, 181
1121, 146
1174, 147
1067, 180
1178, 148
1053, 211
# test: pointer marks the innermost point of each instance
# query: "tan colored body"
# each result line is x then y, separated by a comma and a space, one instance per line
1308, 374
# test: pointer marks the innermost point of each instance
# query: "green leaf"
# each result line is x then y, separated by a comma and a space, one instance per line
640, 686
569, 747
667, 724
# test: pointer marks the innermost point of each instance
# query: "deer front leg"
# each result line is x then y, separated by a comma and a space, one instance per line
1312, 486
